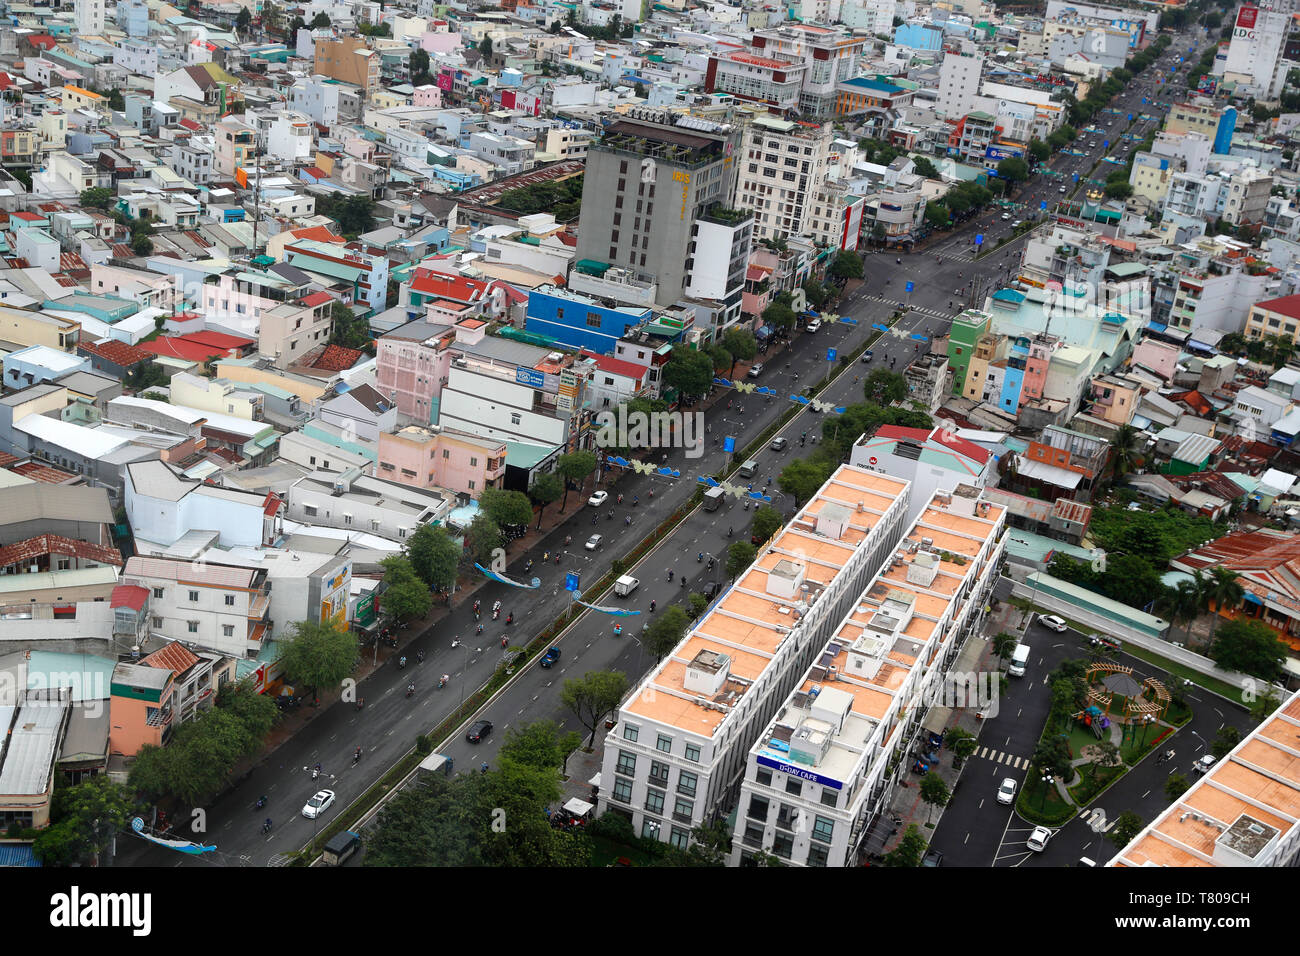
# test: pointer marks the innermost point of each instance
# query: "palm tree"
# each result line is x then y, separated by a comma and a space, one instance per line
1124, 448
1279, 350
1182, 603
1223, 588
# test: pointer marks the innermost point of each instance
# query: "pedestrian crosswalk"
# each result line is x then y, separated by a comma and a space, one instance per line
923, 310
1004, 758
957, 255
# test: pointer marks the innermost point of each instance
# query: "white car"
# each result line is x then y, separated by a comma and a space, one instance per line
593, 542
1007, 791
598, 499
1038, 839
1006, 217
1204, 764
813, 326
318, 804
1053, 623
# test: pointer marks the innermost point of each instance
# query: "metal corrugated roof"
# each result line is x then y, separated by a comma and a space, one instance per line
33, 745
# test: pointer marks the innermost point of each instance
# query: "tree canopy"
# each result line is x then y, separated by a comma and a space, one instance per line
406, 596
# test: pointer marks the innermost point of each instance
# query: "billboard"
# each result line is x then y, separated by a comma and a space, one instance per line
530, 377
1003, 152
1246, 18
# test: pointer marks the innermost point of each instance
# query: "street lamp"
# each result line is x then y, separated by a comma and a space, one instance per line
1147, 721
1048, 780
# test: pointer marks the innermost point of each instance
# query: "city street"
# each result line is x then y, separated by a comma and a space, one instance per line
387, 726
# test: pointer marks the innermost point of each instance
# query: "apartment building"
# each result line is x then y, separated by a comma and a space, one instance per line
441, 458
757, 79
354, 501
304, 585
1274, 317
674, 757
349, 60
1243, 812
830, 56
780, 173
290, 330
236, 144
365, 276
224, 609
1200, 115
821, 774
959, 83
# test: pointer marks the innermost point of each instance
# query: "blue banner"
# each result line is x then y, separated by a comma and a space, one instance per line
572, 580
182, 846
979, 239
800, 772
611, 611
830, 353
502, 579
530, 377
729, 444
909, 287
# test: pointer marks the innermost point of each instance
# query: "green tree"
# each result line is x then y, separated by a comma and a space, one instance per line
543, 745
711, 842
296, 24
320, 22
84, 819
1052, 756
96, 197
242, 21
349, 331
1249, 646
354, 214
318, 655
405, 596
256, 712
767, 521
688, 371
483, 538
574, 467
962, 744
698, 603
1039, 150
546, 489
845, 265
665, 632
196, 763
801, 479
272, 17
141, 245
884, 387
910, 849
1263, 706
506, 508
1126, 828
418, 66
434, 556
1227, 738
780, 316
1181, 603
485, 47
721, 359
1118, 190
925, 168
1004, 645
1108, 755
740, 555
593, 696
740, 343
1013, 170
1124, 449
934, 791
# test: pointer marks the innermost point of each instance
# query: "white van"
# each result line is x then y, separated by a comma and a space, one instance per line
1019, 658
625, 585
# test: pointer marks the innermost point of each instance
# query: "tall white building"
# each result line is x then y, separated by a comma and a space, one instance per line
822, 771
674, 758
959, 83
781, 172
1255, 51
874, 16
90, 17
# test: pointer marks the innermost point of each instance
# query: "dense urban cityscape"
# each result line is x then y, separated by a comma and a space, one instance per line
389, 477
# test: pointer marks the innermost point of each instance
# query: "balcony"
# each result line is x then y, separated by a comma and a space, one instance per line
259, 605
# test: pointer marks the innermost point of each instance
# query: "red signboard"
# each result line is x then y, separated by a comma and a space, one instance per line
1246, 17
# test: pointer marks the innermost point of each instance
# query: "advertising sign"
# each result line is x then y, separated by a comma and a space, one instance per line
530, 377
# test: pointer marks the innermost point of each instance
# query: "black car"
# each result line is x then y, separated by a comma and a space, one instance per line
710, 590
551, 656
480, 730
933, 858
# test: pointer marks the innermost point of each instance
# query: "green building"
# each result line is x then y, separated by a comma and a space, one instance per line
966, 330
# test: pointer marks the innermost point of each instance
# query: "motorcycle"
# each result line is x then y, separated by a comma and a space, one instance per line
261, 802
361, 703
504, 642
315, 771
709, 566
557, 559
635, 499
476, 607
419, 657
496, 613
652, 607
528, 565
699, 557
1165, 757
610, 515
510, 618
266, 827
478, 629
401, 663
442, 681
898, 261
410, 689
356, 756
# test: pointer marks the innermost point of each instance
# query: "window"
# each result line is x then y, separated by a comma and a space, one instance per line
793, 785
758, 809
817, 855
622, 791
687, 782
693, 753
650, 829
192, 626
654, 800
664, 743
763, 777
158, 593
630, 732
783, 845
228, 630
157, 622
626, 763
515, 418
682, 810
829, 797
593, 320
679, 838
194, 595
822, 829
659, 773
230, 600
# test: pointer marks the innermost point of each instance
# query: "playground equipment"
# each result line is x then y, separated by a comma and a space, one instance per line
1094, 720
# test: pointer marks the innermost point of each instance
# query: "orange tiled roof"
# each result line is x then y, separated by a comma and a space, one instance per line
174, 657
44, 544
336, 358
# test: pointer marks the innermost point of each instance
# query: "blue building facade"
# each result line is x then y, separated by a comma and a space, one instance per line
579, 322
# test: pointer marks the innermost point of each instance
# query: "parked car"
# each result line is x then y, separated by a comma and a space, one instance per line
710, 590
1061, 190
778, 444
598, 499
866, 356
318, 804
479, 731
1204, 764
756, 370
1053, 623
1038, 839
933, 858
1007, 790
594, 542
551, 656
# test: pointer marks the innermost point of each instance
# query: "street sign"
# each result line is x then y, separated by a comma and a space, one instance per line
1105, 143
979, 241
909, 287
830, 355
571, 580
1076, 177
1043, 204
1130, 117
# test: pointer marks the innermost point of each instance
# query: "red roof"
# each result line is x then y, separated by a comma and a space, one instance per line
190, 124
37, 471
316, 234
442, 286
616, 366
27, 216
43, 40
1288, 305
315, 299
128, 595
939, 436
174, 657
174, 347
111, 350
271, 506
44, 544
336, 358
218, 340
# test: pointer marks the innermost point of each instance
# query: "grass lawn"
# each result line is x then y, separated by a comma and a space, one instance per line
1033, 807
1091, 785
1080, 737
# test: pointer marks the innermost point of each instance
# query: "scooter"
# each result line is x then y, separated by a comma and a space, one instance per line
528, 565
478, 629
315, 771
361, 702
510, 618
401, 663
442, 681
419, 657
504, 642
699, 557
496, 611
266, 827
410, 689
356, 756
261, 802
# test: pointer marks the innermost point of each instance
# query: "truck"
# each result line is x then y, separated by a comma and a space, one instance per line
625, 585
749, 469
713, 499
1019, 658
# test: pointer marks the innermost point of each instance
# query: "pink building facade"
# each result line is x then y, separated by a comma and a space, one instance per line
435, 458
